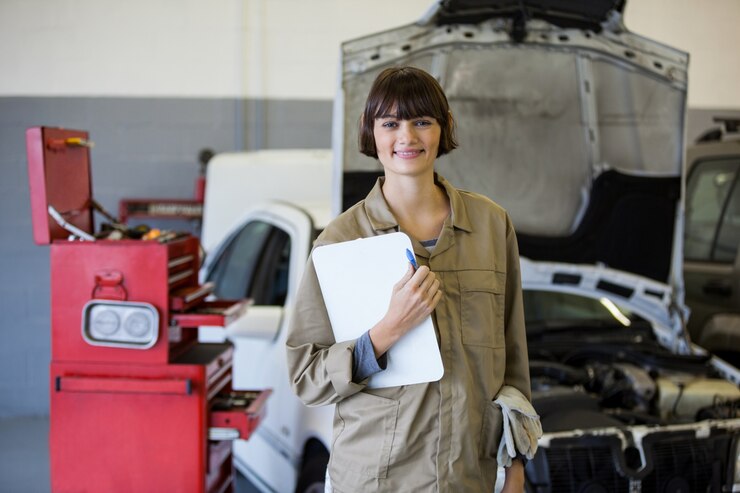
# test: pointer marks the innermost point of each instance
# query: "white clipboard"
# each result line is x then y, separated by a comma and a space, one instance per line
357, 279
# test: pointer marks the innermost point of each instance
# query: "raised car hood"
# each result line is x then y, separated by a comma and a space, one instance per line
572, 13
576, 131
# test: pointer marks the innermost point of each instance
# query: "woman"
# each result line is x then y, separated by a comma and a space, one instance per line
436, 436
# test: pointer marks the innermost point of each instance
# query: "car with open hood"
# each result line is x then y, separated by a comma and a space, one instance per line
575, 125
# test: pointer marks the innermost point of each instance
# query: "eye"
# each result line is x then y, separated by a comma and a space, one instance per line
389, 124
422, 122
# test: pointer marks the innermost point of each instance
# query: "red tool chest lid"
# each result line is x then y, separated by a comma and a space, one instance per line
59, 177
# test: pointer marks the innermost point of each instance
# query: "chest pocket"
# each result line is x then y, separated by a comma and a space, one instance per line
482, 307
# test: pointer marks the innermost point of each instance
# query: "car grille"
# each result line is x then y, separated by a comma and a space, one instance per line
587, 469
686, 463
676, 463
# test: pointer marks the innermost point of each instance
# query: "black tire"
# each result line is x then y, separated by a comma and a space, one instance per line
313, 474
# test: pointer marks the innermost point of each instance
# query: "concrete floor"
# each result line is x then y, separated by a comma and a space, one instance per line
24, 457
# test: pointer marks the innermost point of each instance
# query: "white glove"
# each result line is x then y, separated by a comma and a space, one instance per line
521, 427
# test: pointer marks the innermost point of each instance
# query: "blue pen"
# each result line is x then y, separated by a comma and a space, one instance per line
412, 259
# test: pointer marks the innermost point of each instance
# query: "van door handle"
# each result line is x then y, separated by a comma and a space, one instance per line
722, 289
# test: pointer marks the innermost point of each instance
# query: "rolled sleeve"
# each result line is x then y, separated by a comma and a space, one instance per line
364, 363
320, 369
339, 368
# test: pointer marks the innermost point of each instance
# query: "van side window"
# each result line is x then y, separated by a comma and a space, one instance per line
233, 270
254, 264
728, 237
270, 283
713, 211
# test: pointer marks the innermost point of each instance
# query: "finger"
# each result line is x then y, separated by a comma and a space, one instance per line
434, 287
427, 306
436, 299
421, 273
406, 277
426, 284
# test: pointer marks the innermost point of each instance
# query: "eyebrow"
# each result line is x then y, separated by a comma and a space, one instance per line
396, 117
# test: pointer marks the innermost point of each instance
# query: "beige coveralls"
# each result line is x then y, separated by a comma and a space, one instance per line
439, 436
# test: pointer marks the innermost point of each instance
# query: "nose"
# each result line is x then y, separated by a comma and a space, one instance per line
407, 132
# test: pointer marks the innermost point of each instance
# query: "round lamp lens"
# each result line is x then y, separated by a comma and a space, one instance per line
137, 324
106, 322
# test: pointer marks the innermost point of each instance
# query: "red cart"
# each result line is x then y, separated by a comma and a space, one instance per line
137, 403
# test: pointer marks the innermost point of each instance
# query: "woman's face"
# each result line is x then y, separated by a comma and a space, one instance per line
407, 147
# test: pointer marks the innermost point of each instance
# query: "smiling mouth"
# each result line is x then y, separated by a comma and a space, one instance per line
408, 154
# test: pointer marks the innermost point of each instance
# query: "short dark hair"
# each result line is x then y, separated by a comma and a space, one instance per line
412, 92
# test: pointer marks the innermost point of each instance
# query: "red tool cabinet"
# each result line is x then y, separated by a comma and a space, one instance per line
137, 403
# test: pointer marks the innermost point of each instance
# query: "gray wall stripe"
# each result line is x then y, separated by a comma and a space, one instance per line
145, 147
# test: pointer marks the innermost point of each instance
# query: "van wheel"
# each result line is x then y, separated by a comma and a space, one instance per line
313, 474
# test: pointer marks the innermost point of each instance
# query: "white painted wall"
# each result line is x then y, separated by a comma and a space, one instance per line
187, 48
708, 31
278, 49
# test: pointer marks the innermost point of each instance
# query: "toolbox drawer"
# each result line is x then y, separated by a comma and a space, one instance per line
216, 360
236, 414
219, 475
219, 313
184, 299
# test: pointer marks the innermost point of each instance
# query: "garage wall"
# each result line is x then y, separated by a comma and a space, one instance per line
156, 81
274, 49
277, 49
708, 32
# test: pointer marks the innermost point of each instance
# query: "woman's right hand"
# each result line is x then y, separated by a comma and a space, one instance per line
414, 298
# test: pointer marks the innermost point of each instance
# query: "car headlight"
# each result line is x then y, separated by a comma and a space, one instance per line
127, 324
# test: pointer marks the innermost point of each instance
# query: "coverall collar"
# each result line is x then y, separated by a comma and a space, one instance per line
382, 219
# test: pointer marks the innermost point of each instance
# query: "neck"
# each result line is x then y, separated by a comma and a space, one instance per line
409, 192
418, 204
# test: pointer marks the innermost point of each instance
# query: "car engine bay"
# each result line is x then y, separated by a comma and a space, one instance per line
593, 374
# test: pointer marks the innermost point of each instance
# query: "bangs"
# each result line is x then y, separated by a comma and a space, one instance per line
407, 99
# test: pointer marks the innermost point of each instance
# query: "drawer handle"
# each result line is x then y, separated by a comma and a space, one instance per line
116, 385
